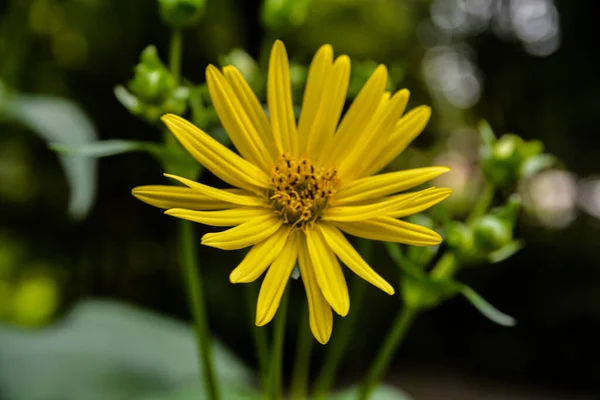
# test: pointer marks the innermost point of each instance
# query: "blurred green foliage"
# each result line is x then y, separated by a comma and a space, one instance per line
81, 50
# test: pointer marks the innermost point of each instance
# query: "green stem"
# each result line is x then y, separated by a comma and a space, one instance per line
195, 293
302, 361
258, 334
445, 268
275, 388
482, 205
388, 350
175, 54
347, 326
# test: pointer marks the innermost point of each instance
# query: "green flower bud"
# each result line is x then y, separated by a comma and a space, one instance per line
243, 62
276, 14
491, 232
459, 239
181, 13
501, 163
152, 82
506, 160
153, 90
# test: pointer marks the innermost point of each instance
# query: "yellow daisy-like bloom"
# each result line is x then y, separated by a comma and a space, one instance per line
298, 186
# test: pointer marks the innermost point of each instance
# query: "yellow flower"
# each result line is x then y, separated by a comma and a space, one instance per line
299, 185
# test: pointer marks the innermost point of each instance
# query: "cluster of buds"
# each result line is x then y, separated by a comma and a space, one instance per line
153, 91
489, 238
508, 159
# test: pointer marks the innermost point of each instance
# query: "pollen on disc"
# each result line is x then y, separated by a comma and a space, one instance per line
300, 190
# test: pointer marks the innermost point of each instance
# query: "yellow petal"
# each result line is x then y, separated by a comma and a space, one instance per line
358, 117
372, 209
422, 203
221, 161
279, 99
407, 129
231, 217
388, 229
373, 187
237, 123
243, 198
328, 272
349, 256
330, 108
252, 107
259, 257
276, 281
164, 196
320, 315
318, 74
378, 132
244, 235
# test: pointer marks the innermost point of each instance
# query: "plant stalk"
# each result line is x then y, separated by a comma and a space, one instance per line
259, 335
347, 326
388, 350
275, 376
302, 360
195, 291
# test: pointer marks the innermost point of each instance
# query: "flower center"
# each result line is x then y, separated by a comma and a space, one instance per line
300, 190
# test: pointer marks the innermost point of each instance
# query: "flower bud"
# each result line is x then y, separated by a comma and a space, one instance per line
243, 62
181, 13
501, 163
276, 14
153, 90
152, 83
491, 232
459, 239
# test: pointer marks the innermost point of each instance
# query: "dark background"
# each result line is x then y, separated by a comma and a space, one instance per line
125, 249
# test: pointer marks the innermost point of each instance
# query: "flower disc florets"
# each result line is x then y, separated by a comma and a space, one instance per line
300, 189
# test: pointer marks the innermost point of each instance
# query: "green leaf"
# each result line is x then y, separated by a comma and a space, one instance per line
382, 392
419, 290
536, 164
505, 252
107, 148
196, 392
107, 350
487, 134
62, 121
489, 311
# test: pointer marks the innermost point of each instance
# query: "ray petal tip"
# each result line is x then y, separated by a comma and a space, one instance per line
322, 337
170, 117
234, 277
389, 290
211, 69
229, 70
